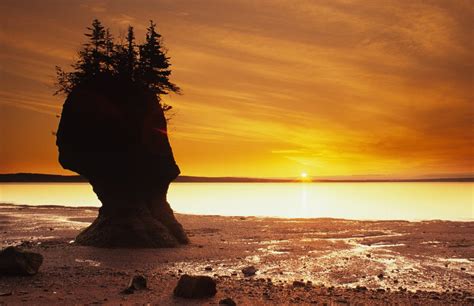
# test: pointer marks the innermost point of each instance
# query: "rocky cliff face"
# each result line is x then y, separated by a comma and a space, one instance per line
113, 132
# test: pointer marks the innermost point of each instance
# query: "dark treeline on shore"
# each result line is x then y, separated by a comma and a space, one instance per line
53, 178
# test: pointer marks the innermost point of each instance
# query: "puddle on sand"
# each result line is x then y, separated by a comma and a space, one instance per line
357, 264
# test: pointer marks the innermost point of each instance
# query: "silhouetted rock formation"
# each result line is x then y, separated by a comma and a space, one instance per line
14, 261
113, 132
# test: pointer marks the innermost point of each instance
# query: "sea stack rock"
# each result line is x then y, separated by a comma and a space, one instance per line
113, 132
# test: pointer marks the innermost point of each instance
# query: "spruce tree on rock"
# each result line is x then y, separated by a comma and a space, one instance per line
154, 66
95, 51
131, 52
93, 58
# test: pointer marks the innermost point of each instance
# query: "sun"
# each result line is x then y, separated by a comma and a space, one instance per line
304, 175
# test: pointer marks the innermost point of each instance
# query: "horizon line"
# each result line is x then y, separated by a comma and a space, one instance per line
42, 177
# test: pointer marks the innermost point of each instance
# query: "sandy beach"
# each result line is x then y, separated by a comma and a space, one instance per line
333, 261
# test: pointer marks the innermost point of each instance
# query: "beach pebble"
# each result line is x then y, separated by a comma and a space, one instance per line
298, 284
195, 287
249, 271
361, 288
138, 282
227, 301
14, 261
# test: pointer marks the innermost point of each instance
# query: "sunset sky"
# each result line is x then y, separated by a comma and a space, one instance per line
270, 88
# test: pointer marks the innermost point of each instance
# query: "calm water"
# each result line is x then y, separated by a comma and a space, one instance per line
409, 201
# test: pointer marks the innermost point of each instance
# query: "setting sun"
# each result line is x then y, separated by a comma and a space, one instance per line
304, 175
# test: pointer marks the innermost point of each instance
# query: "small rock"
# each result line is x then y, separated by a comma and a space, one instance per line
14, 261
298, 284
361, 288
138, 282
380, 276
249, 271
227, 301
6, 293
368, 255
463, 269
208, 268
194, 287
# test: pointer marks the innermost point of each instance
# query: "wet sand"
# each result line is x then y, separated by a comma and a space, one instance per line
336, 261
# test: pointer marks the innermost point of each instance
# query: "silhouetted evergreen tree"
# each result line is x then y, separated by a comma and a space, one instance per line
109, 50
131, 52
154, 66
93, 58
94, 54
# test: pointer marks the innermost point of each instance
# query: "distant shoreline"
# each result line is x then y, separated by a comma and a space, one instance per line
54, 178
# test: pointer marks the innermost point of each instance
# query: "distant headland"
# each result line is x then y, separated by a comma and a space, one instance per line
54, 178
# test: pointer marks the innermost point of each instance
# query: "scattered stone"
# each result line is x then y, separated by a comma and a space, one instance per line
14, 261
380, 276
249, 271
368, 255
361, 288
463, 269
208, 268
138, 282
227, 301
194, 287
6, 293
298, 284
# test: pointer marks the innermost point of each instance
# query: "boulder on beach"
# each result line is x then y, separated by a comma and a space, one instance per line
297, 283
249, 271
113, 132
195, 287
137, 282
14, 261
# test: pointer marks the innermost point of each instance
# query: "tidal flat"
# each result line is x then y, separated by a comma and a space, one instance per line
322, 260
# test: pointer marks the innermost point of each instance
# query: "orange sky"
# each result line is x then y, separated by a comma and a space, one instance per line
270, 88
